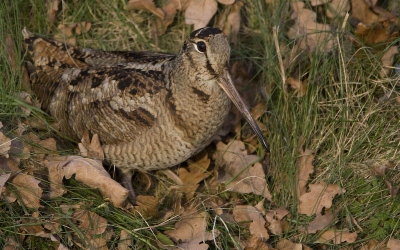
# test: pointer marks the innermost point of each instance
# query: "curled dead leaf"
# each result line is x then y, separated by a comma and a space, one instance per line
311, 34
300, 86
393, 244
89, 222
192, 177
285, 244
238, 172
147, 206
319, 197
304, 167
200, 12
337, 8
388, 60
29, 192
5, 145
191, 230
145, 5
87, 171
321, 221
245, 213
276, 224
337, 236
229, 23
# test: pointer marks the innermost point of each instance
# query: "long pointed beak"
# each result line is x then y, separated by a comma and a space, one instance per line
226, 84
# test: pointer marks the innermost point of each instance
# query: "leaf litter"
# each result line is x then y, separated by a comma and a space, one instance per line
236, 169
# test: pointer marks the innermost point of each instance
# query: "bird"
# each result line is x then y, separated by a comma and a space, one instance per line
151, 110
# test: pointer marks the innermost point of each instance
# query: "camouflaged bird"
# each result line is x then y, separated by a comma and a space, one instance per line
150, 110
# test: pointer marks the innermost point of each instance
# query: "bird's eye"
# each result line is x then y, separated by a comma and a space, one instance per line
201, 47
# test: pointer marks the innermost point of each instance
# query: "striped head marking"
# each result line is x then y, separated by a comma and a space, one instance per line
210, 46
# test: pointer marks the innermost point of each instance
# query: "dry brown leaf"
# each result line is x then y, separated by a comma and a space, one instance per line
300, 86
52, 8
191, 179
373, 245
321, 221
274, 217
83, 27
337, 8
304, 166
312, 35
145, 5
229, 23
381, 170
170, 8
200, 12
226, 2
89, 222
191, 230
320, 196
5, 144
91, 148
246, 213
362, 11
255, 243
318, 2
337, 236
32, 225
285, 244
393, 244
237, 176
387, 61
40, 148
125, 240
147, 206
87, 171
9, 52
3, 179
258, 110
376, 33
65, 33
29, 192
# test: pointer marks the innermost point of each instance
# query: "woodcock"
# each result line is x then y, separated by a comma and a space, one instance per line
150, 110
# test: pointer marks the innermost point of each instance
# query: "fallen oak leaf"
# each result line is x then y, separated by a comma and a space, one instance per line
275, 223
300, 86
147, 206
245, 213
229, 23
304, 166
255, 243
191, 230
337, 8
200, 12
91, 148
87, 171
89, 222
321, 221
337, 236
191, 179
393, 244
145, 5
238, 172
27, 187
375, 33
3, 179
285, 244
312, 35
387, 61
362, 11
320, 196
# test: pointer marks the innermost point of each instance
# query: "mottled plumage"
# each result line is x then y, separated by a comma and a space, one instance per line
150, 110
